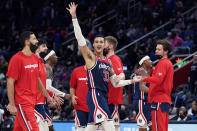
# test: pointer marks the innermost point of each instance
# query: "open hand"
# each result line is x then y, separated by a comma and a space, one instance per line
72, 9
58, 99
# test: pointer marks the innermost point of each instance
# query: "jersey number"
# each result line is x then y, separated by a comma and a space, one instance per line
106, 77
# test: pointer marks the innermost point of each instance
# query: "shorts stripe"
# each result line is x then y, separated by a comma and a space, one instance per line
48, 117
22, 115
156, 121
94, 97
76, 119
141, 111
37, 113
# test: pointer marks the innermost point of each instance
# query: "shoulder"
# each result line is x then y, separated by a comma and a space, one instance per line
16, 57
142, 72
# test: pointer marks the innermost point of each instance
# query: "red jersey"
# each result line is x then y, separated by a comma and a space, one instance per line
24, 69
40, 99
161, 82
115, 95
79, 82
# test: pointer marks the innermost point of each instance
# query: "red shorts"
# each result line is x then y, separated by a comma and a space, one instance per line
25, 119
159, 120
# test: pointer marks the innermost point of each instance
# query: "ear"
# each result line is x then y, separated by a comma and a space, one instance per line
27, 42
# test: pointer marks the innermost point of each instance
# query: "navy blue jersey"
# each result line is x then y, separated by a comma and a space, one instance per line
98, 75
138, 94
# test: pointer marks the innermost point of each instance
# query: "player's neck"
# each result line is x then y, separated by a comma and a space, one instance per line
110, 53
50, 63
26, 51
99, 54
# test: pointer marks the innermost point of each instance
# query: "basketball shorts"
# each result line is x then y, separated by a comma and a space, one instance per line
48, 115
81, 118
98, 107
114, 114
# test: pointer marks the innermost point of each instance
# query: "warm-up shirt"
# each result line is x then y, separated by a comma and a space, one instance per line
115, 95
24, 69
79, 82
161, 82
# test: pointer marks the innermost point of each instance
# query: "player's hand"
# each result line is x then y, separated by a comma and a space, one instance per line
138, 78
12, 109
74, 101
67, 96
117, 79
72, 9
58, 99
51, 101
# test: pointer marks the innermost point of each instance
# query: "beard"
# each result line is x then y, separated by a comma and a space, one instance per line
33, 47
158, 57
105, 51
42, 54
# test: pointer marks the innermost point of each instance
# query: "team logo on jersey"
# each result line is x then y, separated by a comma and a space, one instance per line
99, 116
102, 65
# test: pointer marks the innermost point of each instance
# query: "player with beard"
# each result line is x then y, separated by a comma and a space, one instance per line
99, 72
22, 84
161, 84
115, 95
140, 96
41, 100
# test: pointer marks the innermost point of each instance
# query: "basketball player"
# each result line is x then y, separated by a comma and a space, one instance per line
99, 72
115, 95
22, 84
161, 84
140, 96
78, 91
41, 100
51, 60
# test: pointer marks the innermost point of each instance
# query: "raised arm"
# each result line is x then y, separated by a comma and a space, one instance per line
87, 54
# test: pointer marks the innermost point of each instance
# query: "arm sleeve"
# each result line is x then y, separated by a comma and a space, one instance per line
78, 34
120, 83
53, 89
159, 75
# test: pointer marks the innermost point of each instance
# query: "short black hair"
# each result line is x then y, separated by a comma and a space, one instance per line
41, 41
102, 36
25, 36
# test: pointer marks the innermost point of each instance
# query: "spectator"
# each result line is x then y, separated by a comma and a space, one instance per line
175, 40
188, 43
194, 110
193, 76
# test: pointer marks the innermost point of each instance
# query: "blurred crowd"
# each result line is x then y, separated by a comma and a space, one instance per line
50, 20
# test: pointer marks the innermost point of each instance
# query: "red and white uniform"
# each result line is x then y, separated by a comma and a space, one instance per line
24, 69
115, 95
79, 82
161, 84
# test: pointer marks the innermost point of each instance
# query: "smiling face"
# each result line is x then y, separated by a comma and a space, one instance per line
98, 45
43, 48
